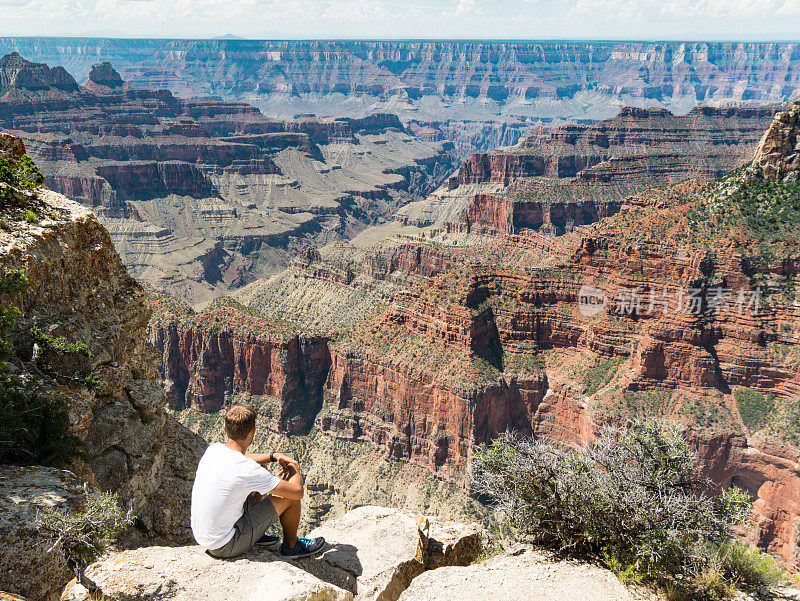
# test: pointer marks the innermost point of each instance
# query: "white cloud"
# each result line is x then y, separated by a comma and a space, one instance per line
463, 9
406, 18
681, 10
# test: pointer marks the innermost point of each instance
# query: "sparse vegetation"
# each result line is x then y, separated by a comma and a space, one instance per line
34, 428
60, 344
16, 179
83, 536
754, 407
601, 374
633, 499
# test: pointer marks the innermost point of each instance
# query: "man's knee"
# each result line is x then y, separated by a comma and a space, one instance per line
281, 505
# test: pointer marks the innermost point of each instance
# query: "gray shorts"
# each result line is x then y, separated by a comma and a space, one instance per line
249, 528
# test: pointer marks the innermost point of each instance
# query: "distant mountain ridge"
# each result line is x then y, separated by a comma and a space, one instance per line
439, 80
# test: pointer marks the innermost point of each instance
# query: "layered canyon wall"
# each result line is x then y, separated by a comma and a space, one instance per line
557, 179
436, 81
201, 196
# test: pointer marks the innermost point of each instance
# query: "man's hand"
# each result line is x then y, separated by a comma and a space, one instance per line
288, 465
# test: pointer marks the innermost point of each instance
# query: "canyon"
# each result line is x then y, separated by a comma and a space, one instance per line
203, 195
440, 81
386, 313
458, 336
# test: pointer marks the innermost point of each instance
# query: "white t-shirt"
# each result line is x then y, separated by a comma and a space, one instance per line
224, 480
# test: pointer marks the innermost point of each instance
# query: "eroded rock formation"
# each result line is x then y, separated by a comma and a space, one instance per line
778, 154
464, 80
203, 195
78, 288
554, 180
228, 350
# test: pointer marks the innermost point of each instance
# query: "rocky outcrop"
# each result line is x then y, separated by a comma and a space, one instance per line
78, 288
29, 566
523, 574
496, 214
769, 472
17, 74
103, 74
372, 554
778, 154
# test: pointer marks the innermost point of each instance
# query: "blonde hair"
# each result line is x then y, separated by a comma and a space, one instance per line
240, 420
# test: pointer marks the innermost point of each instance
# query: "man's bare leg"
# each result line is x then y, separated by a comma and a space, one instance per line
289, 513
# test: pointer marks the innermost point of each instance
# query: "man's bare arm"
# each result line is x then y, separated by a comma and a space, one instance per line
291, 485
260, 458
265, 458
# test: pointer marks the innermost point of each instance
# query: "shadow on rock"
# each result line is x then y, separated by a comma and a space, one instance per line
338, 564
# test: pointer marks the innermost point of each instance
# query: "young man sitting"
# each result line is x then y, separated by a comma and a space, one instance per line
235, 500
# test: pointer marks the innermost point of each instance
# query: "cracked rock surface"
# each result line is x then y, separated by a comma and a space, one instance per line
372, 553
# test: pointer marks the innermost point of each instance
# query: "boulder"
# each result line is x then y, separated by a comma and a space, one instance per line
525, 576
376, 552
372, 553
188, 574
11, 147
26, 567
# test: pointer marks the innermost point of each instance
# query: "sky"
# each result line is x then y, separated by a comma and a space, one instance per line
416, 19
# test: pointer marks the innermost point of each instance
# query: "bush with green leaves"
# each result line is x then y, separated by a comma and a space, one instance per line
84, 535
23, 173
34, 428
15, 178
633, 498
60, 344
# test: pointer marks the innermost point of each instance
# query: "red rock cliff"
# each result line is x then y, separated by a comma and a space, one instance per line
226, 350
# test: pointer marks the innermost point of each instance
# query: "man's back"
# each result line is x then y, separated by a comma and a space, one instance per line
224, 479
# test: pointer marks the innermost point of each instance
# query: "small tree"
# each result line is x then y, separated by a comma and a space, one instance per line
34, 427
85, 535
634, 498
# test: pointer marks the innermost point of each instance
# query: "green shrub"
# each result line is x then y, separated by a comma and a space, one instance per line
92, 382
754, 407
30, 217
24, 175
27, 173
60, 344
34, 428
85, 535
632, 498
748, 565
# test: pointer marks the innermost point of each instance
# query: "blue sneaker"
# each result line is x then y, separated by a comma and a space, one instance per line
303, 548
269, 540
